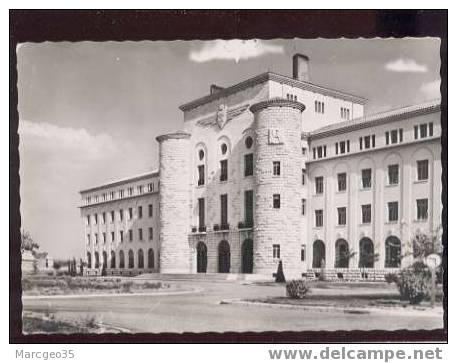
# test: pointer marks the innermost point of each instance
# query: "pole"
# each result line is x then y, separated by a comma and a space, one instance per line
433, 287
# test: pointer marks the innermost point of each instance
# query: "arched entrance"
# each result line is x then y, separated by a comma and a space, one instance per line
113, 260
366, 253
140, 258
224, 257
89, 260
150, 258
121, 259
131, 259
318, 254
97, 260
393, 252
341, 253
202, 257
247, 256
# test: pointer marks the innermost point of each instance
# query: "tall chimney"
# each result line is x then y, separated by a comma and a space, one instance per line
300, 67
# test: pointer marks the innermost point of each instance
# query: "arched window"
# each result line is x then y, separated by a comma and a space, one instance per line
224, 148
366, 253
105, 259
150, 258
341, 253
121, 259
248, 142
97, 260
140, 258
131, 259
89, 260
318, 254
113, 260
393, 252
247, 256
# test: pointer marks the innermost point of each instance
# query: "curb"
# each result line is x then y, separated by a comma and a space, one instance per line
388, 311
161, 293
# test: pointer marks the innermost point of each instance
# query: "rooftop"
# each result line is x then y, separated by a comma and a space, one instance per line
118, 182
270, 76
377, 119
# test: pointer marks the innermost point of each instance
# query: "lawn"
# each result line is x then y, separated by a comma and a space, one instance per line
33, 285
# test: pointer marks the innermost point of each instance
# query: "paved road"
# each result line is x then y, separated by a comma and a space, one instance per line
201, 312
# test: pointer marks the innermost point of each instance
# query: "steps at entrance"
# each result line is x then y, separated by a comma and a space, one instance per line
203, 277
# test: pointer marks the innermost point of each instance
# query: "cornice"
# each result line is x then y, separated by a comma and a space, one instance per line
116, 183
277, 102
173, 135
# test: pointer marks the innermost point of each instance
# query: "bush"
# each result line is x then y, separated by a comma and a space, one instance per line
296, 289
390, 278
413, 284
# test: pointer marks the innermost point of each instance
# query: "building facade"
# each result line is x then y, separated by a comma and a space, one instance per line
275, 168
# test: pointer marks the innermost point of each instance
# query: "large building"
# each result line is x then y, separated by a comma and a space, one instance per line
274, 168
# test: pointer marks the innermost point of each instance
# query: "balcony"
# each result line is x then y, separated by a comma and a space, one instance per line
245, 224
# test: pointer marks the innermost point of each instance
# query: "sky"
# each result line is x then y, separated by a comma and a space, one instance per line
89, 112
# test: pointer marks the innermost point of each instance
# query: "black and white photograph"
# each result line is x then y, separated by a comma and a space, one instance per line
231, 185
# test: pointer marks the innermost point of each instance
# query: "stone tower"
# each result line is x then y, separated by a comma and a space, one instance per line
174, 155
278, 139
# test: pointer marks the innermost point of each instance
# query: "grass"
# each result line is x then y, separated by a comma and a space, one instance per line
65, 285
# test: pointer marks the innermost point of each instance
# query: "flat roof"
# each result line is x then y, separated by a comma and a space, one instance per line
118, 182
376, 119
271, 76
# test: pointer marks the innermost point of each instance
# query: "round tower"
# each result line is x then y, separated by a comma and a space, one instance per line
278, 222
174, 199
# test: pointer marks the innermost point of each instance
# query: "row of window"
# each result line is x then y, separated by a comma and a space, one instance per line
344, 113
366, 211
120, 214
369, 141
112, 262
291, 97
393, 172
104, 197
121, 236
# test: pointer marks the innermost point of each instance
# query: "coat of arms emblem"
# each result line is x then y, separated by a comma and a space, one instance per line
221, 116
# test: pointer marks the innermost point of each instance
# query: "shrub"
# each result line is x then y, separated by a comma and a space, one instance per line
413, 284
296, 289
390, 278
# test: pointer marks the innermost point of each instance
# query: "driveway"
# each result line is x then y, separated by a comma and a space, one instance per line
201, 312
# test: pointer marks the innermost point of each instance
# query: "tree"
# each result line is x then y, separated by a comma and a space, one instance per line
27, 242
422, 245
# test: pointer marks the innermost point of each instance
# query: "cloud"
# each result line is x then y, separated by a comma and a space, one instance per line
431, 89
405, 65
65, 142
235, 49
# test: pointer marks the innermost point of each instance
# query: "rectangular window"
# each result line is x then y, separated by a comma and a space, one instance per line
248, 164
96, 238
367, 142
400, 135
341, 182
223, 210
104, 197
248, 208
314, 153
394, 136
325, 151
140, 189
201, 175
348, 146
387, 137
88, 219
130, 235
303, 207
151, 234
224, 170
276, 251
416, 132
140, 234
276, 201
104, 217
360, 143
121, 214
140, 212
303, 253
422, 209
366, 178
112, 236
276, 168
373, 140
121, 235
422, 169
112, 216
88, 239
130, 213
319, 152
342, 147
319, 184
423, 130
130, 191
341, 216
319, 213
201, 212
150, 211
121, 193
430, 129
393, 174
96, 218
393, 211
150, 187
366, 213
303, 176
104, 237
336, 148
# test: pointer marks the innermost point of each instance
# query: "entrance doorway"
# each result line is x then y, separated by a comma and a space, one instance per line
247, 257
224, 257
202, 257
